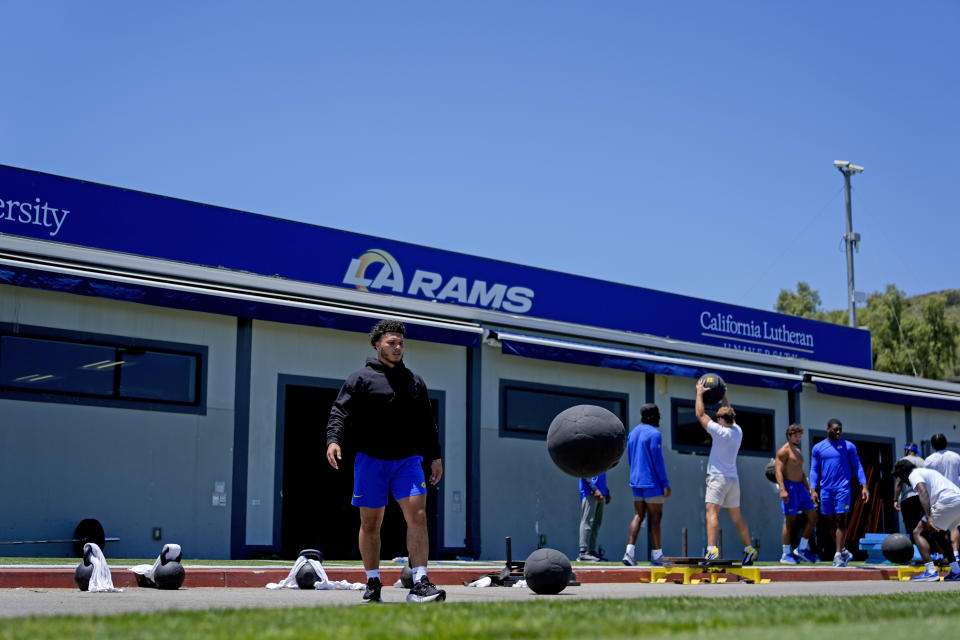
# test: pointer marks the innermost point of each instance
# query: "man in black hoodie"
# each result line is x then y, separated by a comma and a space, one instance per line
384, 412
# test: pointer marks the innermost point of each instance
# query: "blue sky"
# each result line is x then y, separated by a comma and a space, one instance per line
680, 146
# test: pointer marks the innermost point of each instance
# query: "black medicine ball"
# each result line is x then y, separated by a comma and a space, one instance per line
547, 571
406, 577
586, 440
82, 575
897, 548
770, 471
170, 575
716, 388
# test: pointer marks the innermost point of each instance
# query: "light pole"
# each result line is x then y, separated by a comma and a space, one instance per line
850, 238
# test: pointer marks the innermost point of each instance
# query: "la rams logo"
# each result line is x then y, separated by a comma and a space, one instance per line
389, 273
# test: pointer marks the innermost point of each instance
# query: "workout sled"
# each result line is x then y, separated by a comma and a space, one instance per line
717, 571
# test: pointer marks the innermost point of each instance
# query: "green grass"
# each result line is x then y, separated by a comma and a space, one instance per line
798, 618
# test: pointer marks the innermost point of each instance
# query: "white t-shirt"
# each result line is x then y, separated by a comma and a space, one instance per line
723, 451
947, 463
941, 490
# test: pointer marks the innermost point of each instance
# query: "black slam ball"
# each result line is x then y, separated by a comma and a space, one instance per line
586, 440
770, 471
170, 575
547, 571
82, 575
406, 577
897, 548
716, 388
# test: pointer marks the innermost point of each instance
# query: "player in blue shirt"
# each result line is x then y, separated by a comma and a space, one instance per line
833, 463
593, 495
648, 479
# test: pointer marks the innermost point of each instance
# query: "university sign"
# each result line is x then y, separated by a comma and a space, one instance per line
62, 210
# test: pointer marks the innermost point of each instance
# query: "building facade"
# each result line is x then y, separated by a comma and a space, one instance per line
167, 367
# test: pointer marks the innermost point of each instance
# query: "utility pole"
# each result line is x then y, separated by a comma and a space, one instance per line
850, 238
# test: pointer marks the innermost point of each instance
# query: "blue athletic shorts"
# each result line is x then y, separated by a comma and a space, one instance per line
647, 492
798, 499
372, 478
834, 501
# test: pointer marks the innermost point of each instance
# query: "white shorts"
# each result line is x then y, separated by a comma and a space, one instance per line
723, 491
946, 516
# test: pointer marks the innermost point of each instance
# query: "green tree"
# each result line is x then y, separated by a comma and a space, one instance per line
805, 302
906, 337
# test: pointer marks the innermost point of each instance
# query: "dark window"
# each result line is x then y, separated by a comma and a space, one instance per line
690, 437
88, 369
527, 408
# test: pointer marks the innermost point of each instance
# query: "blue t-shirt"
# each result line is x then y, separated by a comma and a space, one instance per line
600, 482
832, 465
645, 454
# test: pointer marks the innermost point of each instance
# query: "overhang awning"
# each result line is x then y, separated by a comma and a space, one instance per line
598, 356
888, 393
225, 300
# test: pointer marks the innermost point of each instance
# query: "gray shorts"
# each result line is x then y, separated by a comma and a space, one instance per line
946, 516
723, 491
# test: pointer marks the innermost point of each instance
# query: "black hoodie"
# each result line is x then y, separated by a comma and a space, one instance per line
385, 413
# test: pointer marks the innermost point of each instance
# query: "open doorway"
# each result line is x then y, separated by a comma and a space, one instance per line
877, 515
316, 512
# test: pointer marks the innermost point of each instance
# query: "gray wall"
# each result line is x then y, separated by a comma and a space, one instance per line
280, 349
132, 470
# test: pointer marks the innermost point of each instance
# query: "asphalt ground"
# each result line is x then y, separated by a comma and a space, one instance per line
20, 602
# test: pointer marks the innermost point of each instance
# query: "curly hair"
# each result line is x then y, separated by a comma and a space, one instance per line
385, 326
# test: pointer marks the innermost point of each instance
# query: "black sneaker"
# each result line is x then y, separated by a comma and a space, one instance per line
372, 594
425, 591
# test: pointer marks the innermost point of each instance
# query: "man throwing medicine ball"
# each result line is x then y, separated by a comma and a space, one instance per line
723, 484
384, 411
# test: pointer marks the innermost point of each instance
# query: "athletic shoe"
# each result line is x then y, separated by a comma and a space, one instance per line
838, 560
585, 557
927, 576
847, 556
372, 593
789, 558
952, 577
806, 555
426, 591
749, 556
713, 553
656, 562
627, 560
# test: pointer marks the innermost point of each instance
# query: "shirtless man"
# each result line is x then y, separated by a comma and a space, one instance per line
796, 497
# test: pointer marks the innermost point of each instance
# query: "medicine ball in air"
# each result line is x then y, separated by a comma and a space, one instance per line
547, 571
586, 440
716, 388
897, 548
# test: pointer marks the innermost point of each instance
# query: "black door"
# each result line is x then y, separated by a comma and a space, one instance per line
316, 509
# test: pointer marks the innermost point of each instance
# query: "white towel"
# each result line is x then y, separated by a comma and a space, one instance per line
100, 580
168, 553
323, 583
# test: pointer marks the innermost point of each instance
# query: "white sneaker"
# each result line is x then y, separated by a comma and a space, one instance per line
627, 560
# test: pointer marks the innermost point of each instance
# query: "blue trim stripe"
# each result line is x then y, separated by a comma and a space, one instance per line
636, 362
889, 396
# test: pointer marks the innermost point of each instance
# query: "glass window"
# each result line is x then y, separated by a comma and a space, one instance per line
689, 436
74, 368
527, 409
